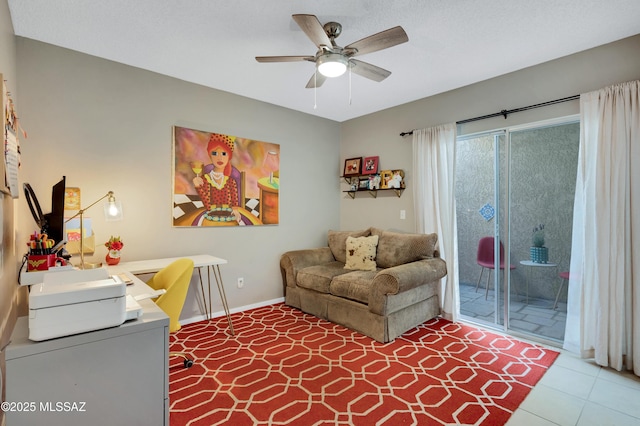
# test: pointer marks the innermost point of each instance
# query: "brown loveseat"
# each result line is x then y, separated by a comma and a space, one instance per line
376, 282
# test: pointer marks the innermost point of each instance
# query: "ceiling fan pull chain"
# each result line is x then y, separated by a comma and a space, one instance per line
349, 86
315, 89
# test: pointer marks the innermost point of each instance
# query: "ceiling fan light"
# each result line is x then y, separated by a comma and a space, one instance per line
332, 64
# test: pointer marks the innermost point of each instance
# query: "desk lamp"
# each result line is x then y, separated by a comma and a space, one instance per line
112, 210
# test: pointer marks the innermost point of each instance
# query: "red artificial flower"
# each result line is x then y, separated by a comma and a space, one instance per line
114, 243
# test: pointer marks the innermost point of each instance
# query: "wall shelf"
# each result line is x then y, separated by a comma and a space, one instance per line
358, 179
374, 192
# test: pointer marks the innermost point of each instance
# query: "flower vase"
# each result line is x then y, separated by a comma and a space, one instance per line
113, 257
539, 254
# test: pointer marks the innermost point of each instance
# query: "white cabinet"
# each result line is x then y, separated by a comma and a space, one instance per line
114, 376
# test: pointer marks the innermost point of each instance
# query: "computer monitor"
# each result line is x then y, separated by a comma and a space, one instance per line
51, 223
55, 220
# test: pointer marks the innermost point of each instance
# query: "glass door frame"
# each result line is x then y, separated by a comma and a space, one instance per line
504, 275
499, 137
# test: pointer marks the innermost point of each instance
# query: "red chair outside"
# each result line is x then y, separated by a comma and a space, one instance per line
564, 276
486, 259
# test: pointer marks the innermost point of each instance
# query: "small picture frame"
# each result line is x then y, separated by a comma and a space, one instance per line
352, 166
370, 166
363, 184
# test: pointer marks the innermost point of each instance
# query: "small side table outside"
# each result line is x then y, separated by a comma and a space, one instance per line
532, 265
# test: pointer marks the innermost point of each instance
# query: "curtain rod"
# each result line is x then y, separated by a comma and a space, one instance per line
505, 112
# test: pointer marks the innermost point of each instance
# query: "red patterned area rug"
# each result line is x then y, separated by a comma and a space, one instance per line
285, 367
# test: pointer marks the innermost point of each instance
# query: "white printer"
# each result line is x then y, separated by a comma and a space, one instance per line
77, 301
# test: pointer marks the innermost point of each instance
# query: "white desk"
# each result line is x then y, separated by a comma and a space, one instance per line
200, 261
532, 265
121, 374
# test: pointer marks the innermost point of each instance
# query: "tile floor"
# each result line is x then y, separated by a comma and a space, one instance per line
577, 392
574, 391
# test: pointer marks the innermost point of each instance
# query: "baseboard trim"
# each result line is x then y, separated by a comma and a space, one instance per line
185, 321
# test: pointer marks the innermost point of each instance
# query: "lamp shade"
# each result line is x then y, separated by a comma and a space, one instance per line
331, 64
112, 209
271, 161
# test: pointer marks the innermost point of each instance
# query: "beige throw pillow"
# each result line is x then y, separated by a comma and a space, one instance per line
397, 248
361, 253
338, 242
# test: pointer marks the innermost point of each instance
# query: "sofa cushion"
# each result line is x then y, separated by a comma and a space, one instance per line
319, 277
355, 285
361, 253
338, 242
395, 248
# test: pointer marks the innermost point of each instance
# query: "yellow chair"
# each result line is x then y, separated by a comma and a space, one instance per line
174, 279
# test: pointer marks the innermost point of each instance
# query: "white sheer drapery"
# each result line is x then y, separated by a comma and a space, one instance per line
434, 159
603, 320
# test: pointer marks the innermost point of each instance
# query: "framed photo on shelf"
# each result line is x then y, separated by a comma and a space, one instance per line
352, 166
363, 184
370, 166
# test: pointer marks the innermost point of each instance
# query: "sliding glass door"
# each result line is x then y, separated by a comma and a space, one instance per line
480, 202
514, 191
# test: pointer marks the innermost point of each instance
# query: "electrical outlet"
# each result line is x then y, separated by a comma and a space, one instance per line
240, 282
403, 214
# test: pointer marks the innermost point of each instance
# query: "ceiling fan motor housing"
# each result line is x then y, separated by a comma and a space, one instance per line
333, 29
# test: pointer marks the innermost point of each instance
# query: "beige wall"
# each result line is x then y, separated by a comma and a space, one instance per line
8, 259
8, 263
107, 126
378, 134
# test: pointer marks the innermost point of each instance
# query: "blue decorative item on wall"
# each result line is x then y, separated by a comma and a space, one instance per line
487, 212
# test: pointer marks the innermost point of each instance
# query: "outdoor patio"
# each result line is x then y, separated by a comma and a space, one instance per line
536, 317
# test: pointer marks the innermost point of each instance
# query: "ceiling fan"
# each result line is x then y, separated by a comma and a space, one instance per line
332, 60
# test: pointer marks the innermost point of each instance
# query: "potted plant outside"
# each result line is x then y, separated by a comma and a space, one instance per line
539, 253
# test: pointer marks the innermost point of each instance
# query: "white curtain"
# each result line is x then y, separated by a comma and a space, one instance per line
603, 320
434, 159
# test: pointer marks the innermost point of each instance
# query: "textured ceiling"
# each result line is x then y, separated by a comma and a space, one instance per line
452, 43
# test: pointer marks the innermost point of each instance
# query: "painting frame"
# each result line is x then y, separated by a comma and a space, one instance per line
222, 180
370, 165
352, 166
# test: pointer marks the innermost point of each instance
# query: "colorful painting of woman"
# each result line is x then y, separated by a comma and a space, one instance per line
217, 190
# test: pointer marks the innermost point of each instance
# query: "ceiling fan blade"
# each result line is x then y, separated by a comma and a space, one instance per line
369, 71
285, 58
313, 29
382, 40
316, 80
